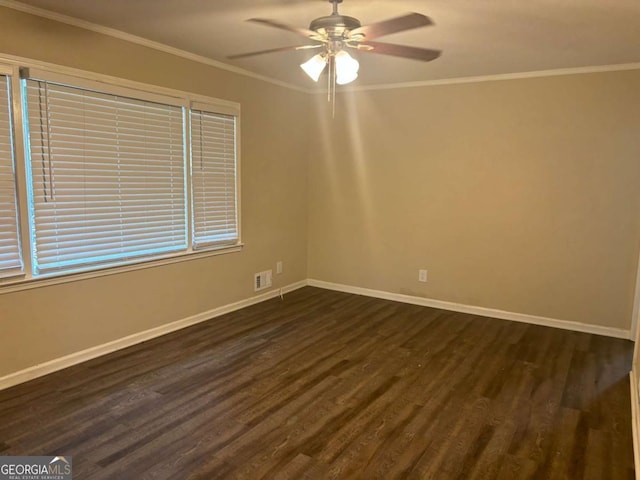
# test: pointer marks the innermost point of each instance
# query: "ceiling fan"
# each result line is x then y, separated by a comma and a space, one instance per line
336, 33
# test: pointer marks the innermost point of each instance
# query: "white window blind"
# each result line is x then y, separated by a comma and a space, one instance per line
10, 258
107, 174
213, 177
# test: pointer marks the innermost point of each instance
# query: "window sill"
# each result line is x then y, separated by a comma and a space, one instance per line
15, 284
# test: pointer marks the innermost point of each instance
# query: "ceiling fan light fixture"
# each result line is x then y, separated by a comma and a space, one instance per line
346, 68
344, 79
314, 66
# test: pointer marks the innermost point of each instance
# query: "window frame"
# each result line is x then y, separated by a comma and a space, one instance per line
9, 72
17, 68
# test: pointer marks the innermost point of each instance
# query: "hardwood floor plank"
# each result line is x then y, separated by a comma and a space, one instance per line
304, 468
510, 406
516, 467
352, 449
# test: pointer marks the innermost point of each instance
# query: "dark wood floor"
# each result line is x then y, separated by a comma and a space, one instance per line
329, 385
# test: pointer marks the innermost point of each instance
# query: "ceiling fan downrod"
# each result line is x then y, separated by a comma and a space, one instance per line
335, 6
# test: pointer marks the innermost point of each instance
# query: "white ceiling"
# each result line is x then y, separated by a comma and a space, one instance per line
477, 37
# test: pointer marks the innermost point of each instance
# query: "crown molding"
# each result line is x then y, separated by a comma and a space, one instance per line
112, 32
497, 77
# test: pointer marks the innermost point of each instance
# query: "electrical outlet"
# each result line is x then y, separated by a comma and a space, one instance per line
422, 276
278, 267
262, 280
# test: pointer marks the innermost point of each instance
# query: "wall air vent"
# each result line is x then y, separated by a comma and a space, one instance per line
262, 280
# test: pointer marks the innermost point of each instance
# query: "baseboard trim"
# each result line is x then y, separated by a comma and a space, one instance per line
82, 356
635, 418
474, 310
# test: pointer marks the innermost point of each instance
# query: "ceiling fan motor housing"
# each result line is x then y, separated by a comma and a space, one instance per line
335, 25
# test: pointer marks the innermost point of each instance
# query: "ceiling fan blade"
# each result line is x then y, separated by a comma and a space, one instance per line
272, 50
393, 25
305, 32
415, 53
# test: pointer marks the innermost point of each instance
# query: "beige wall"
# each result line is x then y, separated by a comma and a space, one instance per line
46, 323
519, 195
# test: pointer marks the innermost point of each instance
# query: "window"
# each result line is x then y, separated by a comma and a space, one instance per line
115, 175
213, 177
10, 258
107, 176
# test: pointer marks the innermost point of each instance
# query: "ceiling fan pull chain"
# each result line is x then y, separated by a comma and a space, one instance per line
333, 86
329, 79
